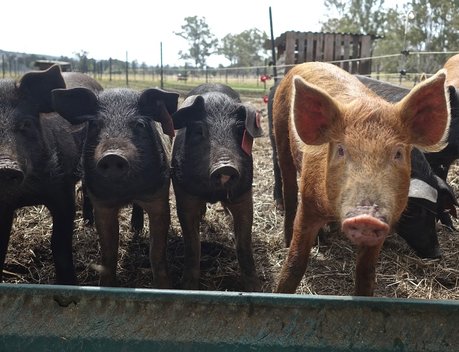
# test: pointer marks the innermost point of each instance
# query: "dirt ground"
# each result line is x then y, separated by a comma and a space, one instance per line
400, 272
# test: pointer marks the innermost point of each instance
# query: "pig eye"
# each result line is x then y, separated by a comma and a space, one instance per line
25, 126
96, 124
340, 150
139, 124
398, 153
197, 130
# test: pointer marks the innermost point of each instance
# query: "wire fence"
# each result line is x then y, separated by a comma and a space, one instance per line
406, 68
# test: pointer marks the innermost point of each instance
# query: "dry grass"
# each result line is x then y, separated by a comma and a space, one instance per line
400, 272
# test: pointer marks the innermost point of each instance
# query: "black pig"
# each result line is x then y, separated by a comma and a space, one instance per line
429, 196
211, 162
39, 159
126, 158
75, 80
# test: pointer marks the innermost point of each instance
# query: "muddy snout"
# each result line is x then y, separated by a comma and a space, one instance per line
365, 226
10, 172
224, 173
113, 164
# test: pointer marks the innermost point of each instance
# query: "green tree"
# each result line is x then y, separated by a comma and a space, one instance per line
433, 27
228, 48
201, 41
82, 61
414, 26
245, 48
355, 16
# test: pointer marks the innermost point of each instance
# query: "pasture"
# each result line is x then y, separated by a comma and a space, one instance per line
400, 272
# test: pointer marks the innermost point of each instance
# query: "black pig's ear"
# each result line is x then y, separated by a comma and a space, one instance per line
252, 121
39, 84
192, 109
76, 105
159, 105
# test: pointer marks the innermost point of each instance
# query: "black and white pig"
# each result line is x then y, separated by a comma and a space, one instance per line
126, 159
39, 158
212, 162
429, 197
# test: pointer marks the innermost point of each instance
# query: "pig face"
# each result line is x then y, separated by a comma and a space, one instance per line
212, 152
124, 153
369, 144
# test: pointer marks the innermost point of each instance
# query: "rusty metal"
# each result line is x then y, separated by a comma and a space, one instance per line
61, 318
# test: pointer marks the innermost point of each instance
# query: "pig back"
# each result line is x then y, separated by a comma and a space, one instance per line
77, 79
452, 71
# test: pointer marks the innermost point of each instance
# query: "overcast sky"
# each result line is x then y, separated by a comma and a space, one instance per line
110, 28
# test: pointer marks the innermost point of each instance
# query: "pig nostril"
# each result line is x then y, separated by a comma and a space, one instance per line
11, 175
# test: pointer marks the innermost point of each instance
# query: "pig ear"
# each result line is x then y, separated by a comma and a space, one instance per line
314, 112
38, 86
191, 109
76, 105
252, 119
425, 112
159, 104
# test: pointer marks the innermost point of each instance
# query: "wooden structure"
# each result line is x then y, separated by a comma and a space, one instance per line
342, 49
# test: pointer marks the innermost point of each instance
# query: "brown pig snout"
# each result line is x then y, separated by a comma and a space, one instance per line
113, 164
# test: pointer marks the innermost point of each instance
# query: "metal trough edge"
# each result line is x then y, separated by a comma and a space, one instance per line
51, 318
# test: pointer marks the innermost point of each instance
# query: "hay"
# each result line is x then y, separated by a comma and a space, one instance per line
400, 272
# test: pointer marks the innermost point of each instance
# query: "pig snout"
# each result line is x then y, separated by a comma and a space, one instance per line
113, 164
223, 173
365, 226
10, 172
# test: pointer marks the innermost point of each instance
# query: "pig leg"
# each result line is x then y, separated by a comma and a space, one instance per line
365, 270
63, 213
159, 219
305, 231
108, 229
242, 212
290, 189
277, 191
189, 212
136, 219
6, 222
88, 215
289, 182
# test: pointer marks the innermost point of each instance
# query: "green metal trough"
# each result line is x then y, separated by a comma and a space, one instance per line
60, 318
